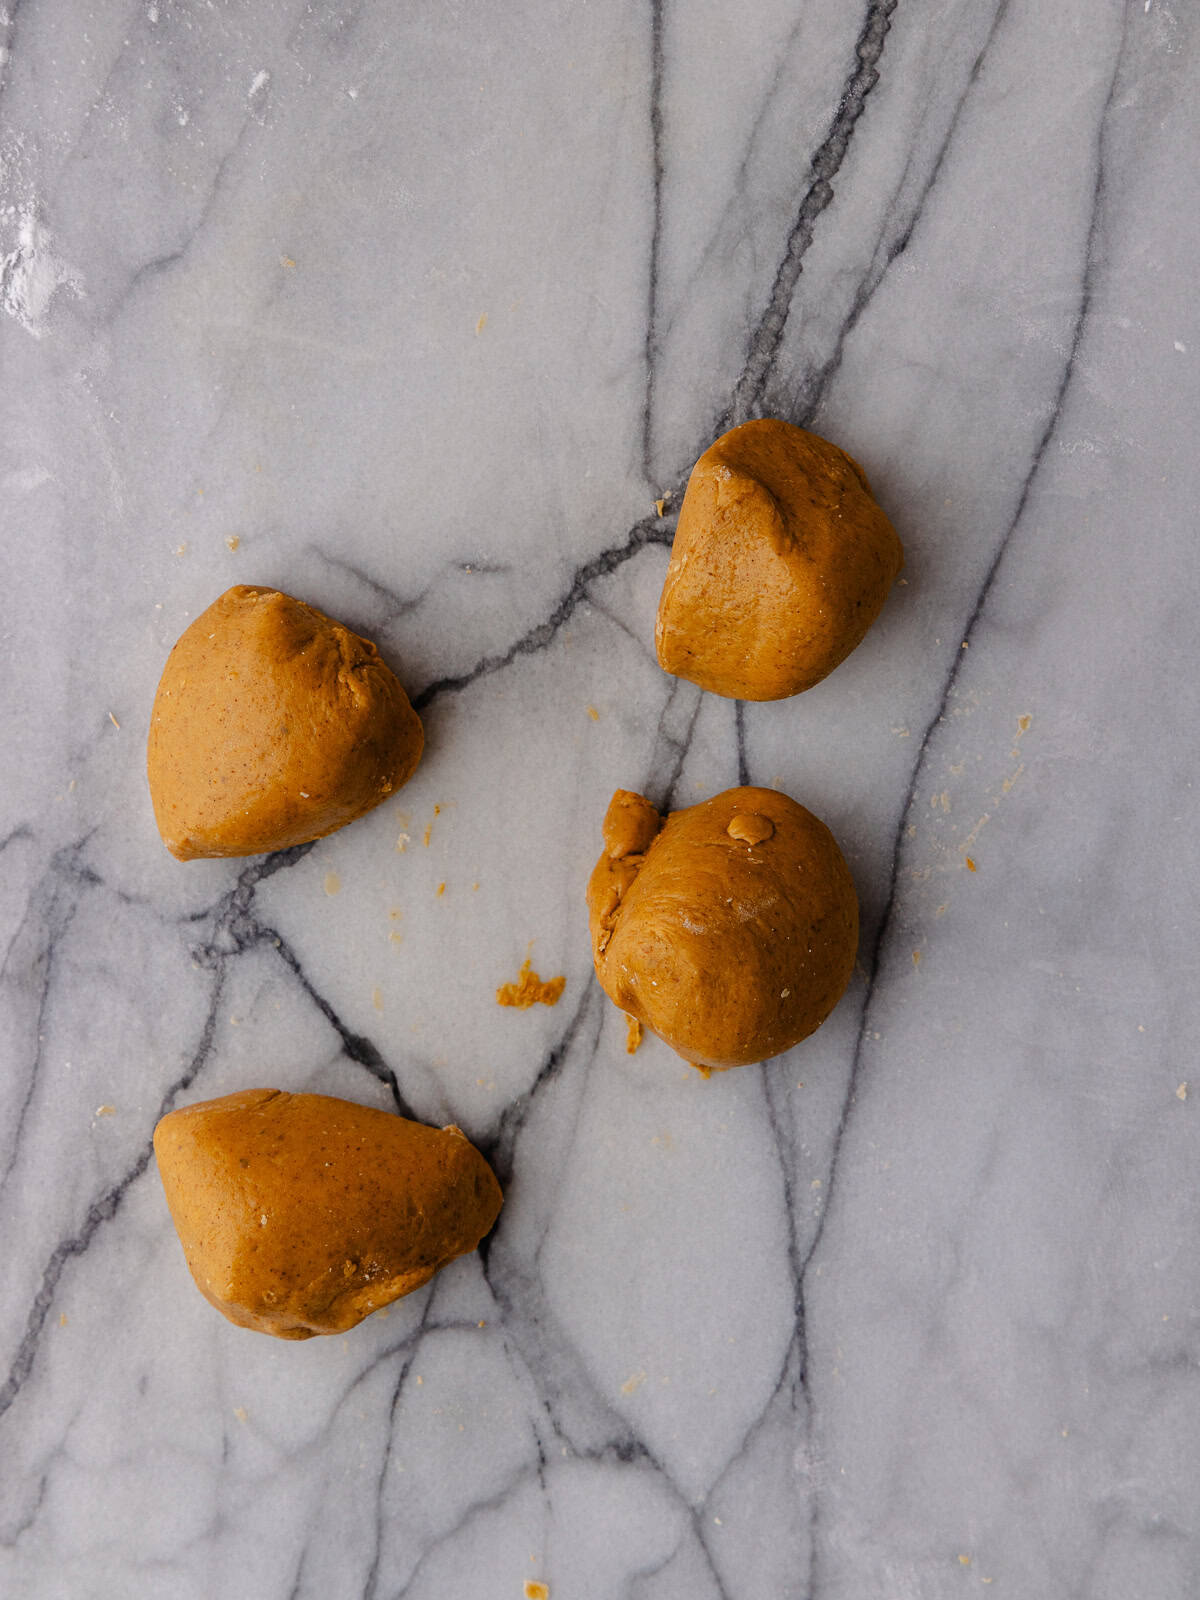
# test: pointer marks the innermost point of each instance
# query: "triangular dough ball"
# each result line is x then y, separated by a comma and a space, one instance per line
302, 1214
273, 725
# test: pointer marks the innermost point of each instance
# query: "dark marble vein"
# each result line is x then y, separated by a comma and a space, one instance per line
656, 177
100, 1211
356, 1046
879, 944
767, 336
739, 722
805, 404
648, 531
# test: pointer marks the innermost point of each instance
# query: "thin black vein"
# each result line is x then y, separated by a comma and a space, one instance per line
100, 1211
361, 1050
739, 722
648, 531
656, 176
883, 929
767, 336
805, 405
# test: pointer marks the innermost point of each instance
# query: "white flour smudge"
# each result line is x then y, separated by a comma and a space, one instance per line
31, 274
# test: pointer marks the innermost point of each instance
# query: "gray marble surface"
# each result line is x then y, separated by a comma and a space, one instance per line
426, 307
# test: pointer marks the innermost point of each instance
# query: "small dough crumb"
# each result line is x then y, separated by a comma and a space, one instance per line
240, 1413
970, 864
536, 1591
377, 999
529, 990
441, 889
233, 541
1181, 1092
333, 884
633, 1033
106, 1111
750, 828
594, 714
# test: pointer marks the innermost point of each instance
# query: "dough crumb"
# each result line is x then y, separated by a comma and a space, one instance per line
333, 884
658, 507
594, 714
62, 1319
970, 864
377, 999
536, 1591
633, 1033
529, 990
233, 541
114, 722
481, 324
240, 1413
441, 889
428, 833
106, 1111
1181, 1092
749, 828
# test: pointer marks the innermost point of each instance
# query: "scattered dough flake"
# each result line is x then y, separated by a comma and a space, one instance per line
233, 541
441, 889
633, 1033
594, 714
658, 506
529, 990
106, 1111
428, 833
377, 999
240, 1413
333, 884
634, 1382
970, 864
481, 324
114, 721
536, 1591
1181, 1092
62, 1319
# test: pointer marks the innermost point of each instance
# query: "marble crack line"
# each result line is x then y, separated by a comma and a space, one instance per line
648, 531
100, 1211
826, 163
498, 1147
806, 410
883, 929
360, 1049
656, 173
371, 1582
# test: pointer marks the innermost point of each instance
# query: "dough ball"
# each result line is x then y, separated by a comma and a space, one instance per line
302, 1214
781, 562
273, 725
730, 928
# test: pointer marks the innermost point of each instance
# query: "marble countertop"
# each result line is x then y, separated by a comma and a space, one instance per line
416, 312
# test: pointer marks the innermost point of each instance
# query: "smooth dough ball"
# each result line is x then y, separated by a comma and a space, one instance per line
302, 1214
781, 562
273, 725
730, 928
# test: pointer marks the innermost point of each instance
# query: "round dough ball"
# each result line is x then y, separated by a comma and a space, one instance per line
730, 928
781, 562
302, 1214
273, 725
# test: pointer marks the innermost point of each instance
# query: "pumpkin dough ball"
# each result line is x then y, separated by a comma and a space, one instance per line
781, 562
730, 928
302, 1214
273, 725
